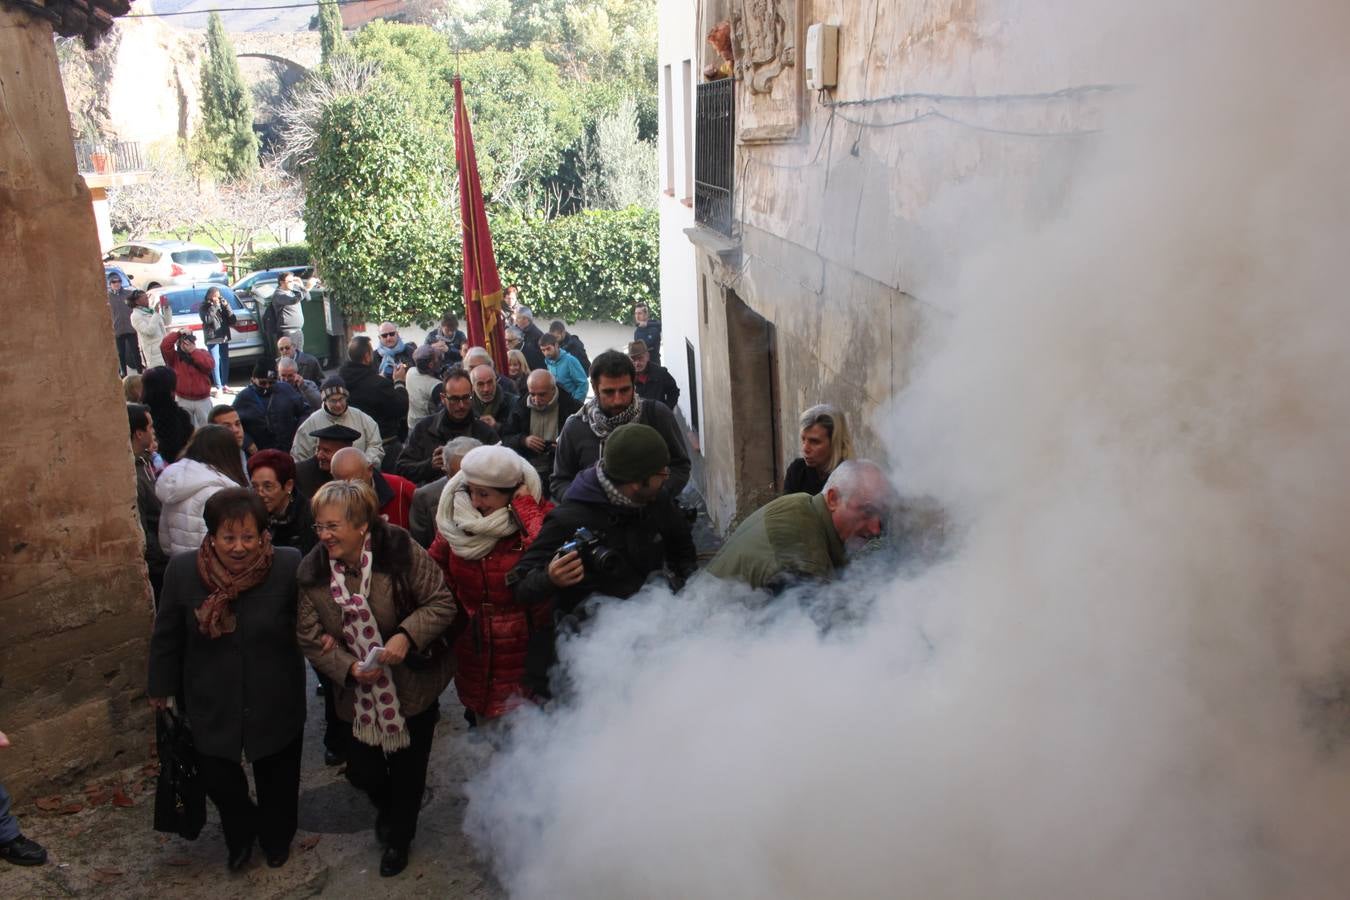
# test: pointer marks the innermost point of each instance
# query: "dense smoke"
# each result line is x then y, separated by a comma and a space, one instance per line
1130, 675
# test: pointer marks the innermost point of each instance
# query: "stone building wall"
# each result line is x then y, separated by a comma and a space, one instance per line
841, 214
74, 601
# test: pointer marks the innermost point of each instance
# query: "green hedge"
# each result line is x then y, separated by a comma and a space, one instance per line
280, 257
594, 265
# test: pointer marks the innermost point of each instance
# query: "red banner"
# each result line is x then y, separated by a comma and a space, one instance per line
482, 284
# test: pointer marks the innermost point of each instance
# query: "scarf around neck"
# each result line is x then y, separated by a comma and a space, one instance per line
470, 534
601, 424
544, 422
215, 616
378, 719
615, 496
387, 354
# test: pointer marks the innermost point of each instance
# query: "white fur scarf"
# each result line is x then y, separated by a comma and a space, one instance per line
470, 534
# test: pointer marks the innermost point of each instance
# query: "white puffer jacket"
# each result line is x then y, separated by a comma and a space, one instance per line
183, 489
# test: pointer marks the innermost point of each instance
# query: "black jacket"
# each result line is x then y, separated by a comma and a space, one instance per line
271, 420
309, 367
573, 345
660, 386
243, 691
533, 355
296, 527
802, 479
650, 334
579, 448
309, 478
173, 427
377, 397
434, 431
517, 429
216, 322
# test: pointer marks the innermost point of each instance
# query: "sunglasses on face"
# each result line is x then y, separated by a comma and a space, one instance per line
385, 334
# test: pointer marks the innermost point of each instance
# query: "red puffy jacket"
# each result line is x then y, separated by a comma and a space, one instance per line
493, 635
194, 376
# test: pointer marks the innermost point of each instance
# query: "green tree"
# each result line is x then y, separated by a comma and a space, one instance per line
226, 144
377, 210
332, 42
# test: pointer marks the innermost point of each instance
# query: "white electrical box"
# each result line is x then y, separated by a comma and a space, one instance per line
822, 56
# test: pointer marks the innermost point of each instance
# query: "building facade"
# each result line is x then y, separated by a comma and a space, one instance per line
820, 211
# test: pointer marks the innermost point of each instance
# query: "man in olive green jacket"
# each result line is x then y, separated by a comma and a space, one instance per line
800, 537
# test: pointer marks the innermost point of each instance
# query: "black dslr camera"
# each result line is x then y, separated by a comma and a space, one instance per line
595, 556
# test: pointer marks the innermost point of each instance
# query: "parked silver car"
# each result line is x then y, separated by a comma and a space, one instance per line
245, 338
152, 264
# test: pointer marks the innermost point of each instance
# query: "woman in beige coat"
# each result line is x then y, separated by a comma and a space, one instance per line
373, 614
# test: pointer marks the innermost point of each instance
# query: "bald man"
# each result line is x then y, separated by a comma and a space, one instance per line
536, 419
491, 404
395, 494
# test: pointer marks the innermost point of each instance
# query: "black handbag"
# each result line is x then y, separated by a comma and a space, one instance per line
180, 798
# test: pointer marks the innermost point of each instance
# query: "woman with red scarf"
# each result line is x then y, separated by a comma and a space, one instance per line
224, 646
489, 514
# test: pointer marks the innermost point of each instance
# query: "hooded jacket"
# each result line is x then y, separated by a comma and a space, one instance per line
271, 420
569, 375
183, 489
306, 444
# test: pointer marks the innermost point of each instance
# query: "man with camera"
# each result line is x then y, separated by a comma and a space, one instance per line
193, 368
616, 527
536, 420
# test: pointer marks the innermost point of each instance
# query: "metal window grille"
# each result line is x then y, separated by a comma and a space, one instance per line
714, 158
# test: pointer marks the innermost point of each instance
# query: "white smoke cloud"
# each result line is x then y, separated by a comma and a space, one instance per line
1130, 677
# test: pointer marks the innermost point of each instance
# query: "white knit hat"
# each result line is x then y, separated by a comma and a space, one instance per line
495, 466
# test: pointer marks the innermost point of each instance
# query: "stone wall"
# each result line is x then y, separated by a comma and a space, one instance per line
74, 601
841, 215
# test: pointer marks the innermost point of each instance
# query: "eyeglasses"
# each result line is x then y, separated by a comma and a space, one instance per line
459, 398
322, 528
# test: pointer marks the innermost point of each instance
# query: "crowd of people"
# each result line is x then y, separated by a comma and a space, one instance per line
415, 518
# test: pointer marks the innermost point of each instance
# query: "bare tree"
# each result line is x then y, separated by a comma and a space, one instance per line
171, 200
344, 76
244, 209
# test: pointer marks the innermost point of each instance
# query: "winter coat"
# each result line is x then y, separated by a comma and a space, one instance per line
647, 539
309, 392
243, 691
295, 527
193, 370
271, 420
308, 367
396, 496
658, 384
306, 444
802, 479
569, 375
454, 344
785, 541
579, 448
517, 429
286, 304
530, 346
377, 397
420, 387
422, 513
150, 330
216, 321
147, 505
183, 489
407, 594
650, 334
573, 345
400, 355
121, 313
309, 478
492, 635
435, 431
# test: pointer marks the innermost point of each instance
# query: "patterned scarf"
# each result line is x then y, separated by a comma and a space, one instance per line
216, 616
615, 496
601, 424
379, 718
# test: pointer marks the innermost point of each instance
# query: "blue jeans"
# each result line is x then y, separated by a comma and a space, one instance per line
9, 826
221, 354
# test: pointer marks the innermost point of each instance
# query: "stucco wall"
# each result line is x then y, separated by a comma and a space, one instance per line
74, 602
841, 224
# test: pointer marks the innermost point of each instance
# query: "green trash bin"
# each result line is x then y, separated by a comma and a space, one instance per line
316, 330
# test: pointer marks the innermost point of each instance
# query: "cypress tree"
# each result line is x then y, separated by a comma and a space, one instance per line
228, 144
331, 40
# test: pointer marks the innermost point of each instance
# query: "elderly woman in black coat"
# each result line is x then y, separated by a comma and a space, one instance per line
224, 645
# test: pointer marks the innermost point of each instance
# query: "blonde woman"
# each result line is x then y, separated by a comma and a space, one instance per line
825, 444
517, 369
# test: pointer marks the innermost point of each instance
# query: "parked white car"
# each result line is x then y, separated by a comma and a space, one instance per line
152, 264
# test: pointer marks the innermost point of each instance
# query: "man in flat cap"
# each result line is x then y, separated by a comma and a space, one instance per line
316, 471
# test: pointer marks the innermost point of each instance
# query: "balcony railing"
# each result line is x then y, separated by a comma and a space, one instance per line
107, 158
714, 156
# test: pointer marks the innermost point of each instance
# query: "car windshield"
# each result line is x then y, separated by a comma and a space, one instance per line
194, 257
187, 302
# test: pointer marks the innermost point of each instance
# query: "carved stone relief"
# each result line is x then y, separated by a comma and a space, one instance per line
766, 34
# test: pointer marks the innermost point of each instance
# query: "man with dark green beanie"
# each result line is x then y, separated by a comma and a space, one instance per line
614, 530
